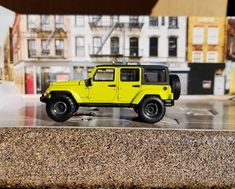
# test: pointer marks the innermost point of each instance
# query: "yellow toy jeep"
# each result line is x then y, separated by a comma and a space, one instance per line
148, 89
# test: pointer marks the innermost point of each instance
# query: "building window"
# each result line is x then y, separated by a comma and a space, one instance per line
79, 73
114, 45
31, 48
173, 22
212, 57
59, 21
153, 21
79, 21
97, 45
153, 46
213, 36
114, 20
197, 56
45, 47
198, 35
172, 44
31, 22
80, 46
134, 47
59, 47
45, 22
163, 21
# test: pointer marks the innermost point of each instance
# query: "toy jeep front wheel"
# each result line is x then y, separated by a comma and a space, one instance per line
151, 109
136, 109
61, 107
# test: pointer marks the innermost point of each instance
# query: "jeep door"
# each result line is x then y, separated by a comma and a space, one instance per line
103, 88
129, 84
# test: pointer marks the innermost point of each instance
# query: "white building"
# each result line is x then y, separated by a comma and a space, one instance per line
143, 39
56, 48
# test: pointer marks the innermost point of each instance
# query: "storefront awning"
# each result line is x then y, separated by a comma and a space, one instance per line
120, 7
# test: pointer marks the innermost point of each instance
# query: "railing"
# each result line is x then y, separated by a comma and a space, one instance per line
106, 25
46, 28
46, 53
109, 52
57, 29
137, 25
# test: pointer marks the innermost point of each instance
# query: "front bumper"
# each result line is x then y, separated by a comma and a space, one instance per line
169, 103
44, 98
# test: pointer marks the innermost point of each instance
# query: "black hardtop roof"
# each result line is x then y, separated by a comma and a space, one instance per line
142, 66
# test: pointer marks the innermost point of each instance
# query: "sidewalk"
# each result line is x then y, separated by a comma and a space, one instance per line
182, 97
207, 97
31, 96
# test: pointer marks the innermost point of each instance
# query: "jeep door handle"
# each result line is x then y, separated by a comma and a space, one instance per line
135, 85
111, 85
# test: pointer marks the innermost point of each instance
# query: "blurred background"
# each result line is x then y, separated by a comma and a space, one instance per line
38, 49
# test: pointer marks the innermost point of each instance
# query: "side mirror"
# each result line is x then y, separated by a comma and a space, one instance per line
88, 82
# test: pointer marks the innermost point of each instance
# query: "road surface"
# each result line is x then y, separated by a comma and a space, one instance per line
190, 112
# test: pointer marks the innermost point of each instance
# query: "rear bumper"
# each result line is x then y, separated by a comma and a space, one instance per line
44, 98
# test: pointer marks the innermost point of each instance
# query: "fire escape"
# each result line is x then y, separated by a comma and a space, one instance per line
45, 50
107, 36
97, 24
47, 33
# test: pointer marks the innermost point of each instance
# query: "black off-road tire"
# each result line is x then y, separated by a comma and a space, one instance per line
61, 107
76, 107
175, 85
151, 109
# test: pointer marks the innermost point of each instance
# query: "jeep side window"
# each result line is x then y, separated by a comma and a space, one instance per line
130, 75
104, 75
154, 76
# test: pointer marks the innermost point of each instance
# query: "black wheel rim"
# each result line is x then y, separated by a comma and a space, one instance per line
60, 107
151, 109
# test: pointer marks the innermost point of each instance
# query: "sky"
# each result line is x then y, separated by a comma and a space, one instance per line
6, 20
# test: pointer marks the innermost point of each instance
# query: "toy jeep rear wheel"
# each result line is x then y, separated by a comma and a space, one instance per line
151, 109
61, 107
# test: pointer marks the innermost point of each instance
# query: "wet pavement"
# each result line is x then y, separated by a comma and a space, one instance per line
209, 113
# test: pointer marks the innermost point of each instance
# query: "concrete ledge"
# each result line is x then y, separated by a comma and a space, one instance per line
128, 158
